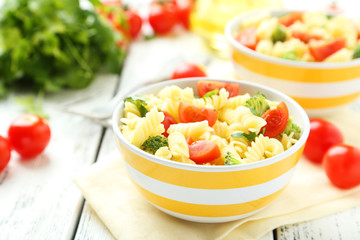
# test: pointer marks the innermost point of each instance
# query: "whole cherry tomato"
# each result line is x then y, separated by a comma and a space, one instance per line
29, 135
323, 135
5, 153
134, 22
342, 165
276, 120
183, 10
186, 70
162, 17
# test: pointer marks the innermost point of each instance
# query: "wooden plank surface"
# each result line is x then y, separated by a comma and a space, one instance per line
38, 197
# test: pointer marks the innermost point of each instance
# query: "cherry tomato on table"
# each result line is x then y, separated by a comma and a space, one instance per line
186, 70
323, 135
206, 86
134, 22
247, 37
276, 120
162, 16
342, 165
168, 120
5, 153
29, 135
204, 151
183, 10
193, 113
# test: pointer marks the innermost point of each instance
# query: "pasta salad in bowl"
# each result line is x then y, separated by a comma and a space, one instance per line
310, 56
210, 150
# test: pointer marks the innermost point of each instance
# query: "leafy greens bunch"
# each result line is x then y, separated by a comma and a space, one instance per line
48, 45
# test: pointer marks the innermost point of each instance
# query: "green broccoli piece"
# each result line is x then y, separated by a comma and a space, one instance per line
290, 55
139, 103
356, 53
257, 104
152, 144
279, 34
292, 127
230, 160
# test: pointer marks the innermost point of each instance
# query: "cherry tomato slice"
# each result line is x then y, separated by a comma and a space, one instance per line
168, 120
193, 113
206, 86
162, 17
305, 37
186, 70
247, 37
135, 22
204, 151
291, 18
29, 135
276, 120
321, 52
5, 153
342, 166
323, 135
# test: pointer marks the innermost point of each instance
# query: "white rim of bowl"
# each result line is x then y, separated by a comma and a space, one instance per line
224, 168
235, 22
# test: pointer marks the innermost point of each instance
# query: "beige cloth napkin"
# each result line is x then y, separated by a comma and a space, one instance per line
128, 215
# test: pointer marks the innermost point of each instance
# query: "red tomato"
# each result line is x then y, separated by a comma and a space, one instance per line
5, 153
323, 51
192, 113
247, 37
29, 135
305, 37
206, 86
342, 165
291, 18
134, 21
168, 120
204, 151
276, 120
323, 135
183, 10
162, 17
186, 70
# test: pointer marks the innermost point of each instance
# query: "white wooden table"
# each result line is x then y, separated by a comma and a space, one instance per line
38, 199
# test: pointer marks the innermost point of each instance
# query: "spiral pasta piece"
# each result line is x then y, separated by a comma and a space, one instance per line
131, 108
193, 130
179, 148
216, 101
148, 126
242, 115
164, 152
263, 147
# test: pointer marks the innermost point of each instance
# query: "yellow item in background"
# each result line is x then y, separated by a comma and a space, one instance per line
210, 17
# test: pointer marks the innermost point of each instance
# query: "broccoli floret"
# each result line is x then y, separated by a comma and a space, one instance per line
152, 144
230, 160
356, 53
279, 34
257, 104
290, 55
292, 127
139, 103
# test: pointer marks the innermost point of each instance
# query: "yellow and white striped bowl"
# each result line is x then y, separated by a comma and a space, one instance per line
320, 88
211, 193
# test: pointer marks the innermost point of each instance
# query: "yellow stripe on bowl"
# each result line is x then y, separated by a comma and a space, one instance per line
318, 103
208, 210
286, 72
209, 179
